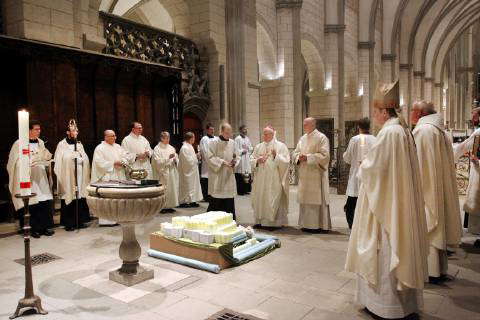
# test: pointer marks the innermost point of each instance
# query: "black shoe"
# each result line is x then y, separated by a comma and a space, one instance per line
257, 226
167, 210
193, 205
48, 232
83, 226
313, 231
183, 205
35, 234
435, 280
69, 229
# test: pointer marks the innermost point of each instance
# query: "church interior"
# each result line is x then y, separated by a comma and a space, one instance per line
179, 68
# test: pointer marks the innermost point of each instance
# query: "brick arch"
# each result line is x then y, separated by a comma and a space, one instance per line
266, 54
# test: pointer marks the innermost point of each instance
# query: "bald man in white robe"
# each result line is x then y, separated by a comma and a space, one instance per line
108, 163
312, 156
269, 162
437, 168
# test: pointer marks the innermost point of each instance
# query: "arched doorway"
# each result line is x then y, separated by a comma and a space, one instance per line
192, 123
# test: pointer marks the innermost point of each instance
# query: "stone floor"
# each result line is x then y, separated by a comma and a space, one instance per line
304, 279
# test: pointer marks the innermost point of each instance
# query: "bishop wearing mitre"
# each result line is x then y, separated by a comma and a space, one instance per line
138, 145
190, 191
222, 159
165, 162
70, 153
388, 245
312, 156
41, 217
108, 163
269, 162
437, 169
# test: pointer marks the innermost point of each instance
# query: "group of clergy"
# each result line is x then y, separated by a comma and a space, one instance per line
408, 212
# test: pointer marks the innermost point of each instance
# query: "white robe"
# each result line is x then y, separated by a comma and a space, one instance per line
64, 169
437, 168
357, 150
203, 149
165, 170
103, 168
270, 184
139, 144
244, 166
221, 178
472, 201
313, 187
388, 245
189, 180
40, 184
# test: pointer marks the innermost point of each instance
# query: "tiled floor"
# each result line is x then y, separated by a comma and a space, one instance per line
304, 279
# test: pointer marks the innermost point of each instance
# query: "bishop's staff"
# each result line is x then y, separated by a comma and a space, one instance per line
72, 126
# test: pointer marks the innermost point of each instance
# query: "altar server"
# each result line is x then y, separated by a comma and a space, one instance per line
472, 201
108, 163
312, 156
190, 190
388, 245
41, 215
165, 162
437, 169
270, 187
64, 169
222, 159
243, 171
357, 150
137, 144
203, 149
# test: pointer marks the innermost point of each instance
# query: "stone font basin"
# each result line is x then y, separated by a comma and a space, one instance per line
128, 205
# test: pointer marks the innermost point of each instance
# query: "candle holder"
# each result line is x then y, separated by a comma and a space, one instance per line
30, 300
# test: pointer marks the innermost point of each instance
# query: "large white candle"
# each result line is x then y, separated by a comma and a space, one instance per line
24, 153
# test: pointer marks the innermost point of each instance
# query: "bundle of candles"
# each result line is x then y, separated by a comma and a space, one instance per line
209, 227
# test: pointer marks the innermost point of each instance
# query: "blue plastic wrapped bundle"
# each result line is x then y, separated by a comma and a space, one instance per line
215, 268
255, 249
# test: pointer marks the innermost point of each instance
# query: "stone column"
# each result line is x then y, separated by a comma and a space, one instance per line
235, 69
418, 89
437, 97
428, 88
388, 61
366, 75
405, 90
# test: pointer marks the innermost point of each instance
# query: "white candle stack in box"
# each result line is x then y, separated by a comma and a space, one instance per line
208, 227
24, 153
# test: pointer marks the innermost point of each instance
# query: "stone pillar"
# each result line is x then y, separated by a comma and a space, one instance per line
366, 75
235, 70
290, 59
437, 97
388, 61
418, 92
334, 39
428, 88
405, 90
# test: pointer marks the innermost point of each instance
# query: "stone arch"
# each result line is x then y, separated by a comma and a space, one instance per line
266, 54
314, 62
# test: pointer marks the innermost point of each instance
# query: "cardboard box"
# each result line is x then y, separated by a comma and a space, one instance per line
208, 255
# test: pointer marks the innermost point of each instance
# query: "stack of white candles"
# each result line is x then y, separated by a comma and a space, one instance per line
24, 153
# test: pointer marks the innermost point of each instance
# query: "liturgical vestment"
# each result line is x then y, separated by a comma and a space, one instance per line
165, 170
221, 179
103, 168
388, 245
270, 185
437, 168
139, 144
313, 186
472, 201
189, 180
64, 169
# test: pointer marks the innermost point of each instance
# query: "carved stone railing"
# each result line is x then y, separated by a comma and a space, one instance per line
133, 40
